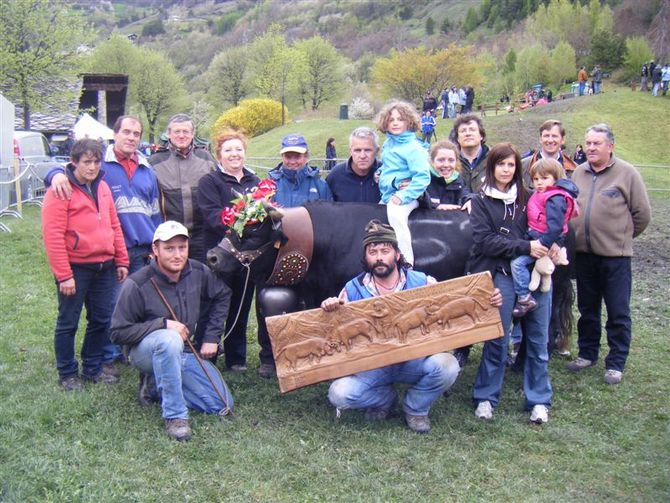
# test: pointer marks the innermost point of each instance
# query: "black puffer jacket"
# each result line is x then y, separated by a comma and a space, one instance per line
498, 231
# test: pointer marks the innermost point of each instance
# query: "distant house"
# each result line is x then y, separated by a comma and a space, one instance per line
103, 96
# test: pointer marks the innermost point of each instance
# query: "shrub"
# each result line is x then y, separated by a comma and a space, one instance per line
360, 108
253, 117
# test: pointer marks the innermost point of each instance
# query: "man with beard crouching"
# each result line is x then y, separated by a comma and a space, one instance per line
386, 272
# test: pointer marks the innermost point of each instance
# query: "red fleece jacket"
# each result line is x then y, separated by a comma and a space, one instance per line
80, 232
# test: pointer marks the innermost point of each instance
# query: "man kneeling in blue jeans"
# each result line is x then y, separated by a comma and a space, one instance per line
386, 272
143, 321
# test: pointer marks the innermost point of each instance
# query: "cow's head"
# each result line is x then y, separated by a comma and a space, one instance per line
256, 248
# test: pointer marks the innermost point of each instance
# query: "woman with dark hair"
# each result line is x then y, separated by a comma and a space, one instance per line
580, 155
499, 225
216, 191
87, 255
331, 153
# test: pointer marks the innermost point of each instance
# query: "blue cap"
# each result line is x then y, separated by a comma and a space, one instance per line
294, 143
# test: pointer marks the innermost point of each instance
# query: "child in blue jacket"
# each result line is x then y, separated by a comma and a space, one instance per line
405, 171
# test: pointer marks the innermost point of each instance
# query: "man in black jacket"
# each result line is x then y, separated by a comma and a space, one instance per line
143, 321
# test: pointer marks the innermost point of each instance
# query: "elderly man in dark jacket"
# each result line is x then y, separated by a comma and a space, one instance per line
143, 321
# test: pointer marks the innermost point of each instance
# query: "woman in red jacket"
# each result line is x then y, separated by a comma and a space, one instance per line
87, 254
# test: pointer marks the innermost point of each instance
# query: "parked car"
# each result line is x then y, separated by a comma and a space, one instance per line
33, 151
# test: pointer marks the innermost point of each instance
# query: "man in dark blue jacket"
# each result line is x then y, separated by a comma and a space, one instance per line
353, 181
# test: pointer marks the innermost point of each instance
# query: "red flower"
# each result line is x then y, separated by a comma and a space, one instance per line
267, 185
237, 207
227, 216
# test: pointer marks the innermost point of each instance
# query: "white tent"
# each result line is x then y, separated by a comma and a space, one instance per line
87, 126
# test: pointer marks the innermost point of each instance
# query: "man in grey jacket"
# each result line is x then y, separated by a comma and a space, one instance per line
143, 321
614, 210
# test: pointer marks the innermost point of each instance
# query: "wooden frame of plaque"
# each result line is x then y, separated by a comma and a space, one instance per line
315, 345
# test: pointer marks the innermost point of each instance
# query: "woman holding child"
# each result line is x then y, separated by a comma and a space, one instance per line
499, 226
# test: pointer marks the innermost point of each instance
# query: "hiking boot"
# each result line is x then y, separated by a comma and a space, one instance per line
178, 429
238, 368
484, 410
418, 424
613, 376
267, 371
524, 305
147, 393
71, 383
579, 364
111, 369
102, 377
539, 414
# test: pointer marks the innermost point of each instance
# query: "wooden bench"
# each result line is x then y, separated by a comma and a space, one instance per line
484, 108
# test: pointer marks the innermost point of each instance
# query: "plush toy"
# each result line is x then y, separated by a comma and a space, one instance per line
544, 267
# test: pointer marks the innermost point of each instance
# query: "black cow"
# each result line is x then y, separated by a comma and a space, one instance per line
441, 241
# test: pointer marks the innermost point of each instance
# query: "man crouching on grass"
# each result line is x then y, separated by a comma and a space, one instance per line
372, 390
143, 321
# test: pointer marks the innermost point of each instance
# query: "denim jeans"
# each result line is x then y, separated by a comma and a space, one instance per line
428, 379
139, 257
93, 283
609, 279
179, 378
582, 87
521, 274
491, 372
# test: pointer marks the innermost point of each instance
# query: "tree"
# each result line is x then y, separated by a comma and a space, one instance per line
430, 26
228, 75
154, 86
660, 32
562, 65
410, 73
607, 50
532, 65
38, 53
445, 27
158, 88
153, 28
471, 21
323, 65
638, 53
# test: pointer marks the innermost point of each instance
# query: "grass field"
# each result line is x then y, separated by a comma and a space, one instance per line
602, 443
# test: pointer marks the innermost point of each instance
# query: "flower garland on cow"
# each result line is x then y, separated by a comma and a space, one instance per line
248, 208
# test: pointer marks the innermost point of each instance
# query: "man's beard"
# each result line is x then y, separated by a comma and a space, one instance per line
383, 273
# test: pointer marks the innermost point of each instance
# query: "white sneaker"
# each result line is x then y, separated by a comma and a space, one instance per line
484, 410
539, 414
613, 376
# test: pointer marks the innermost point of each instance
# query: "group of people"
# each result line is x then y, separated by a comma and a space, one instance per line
456, 101
128, 237
658, 75
596, 80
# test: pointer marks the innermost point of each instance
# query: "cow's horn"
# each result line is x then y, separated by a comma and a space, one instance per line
274, 213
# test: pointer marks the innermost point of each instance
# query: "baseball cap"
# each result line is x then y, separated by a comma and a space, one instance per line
167, 230
294, 143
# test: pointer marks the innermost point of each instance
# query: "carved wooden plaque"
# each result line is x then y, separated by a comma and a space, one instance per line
315, 345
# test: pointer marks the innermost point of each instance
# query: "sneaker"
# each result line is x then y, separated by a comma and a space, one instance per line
613, 376
267, 371
148, 392
111, 369
484, 410
418, 424
579, 364
539, 414
178, 429
71, 383
238, 368
102, 377
524, 305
